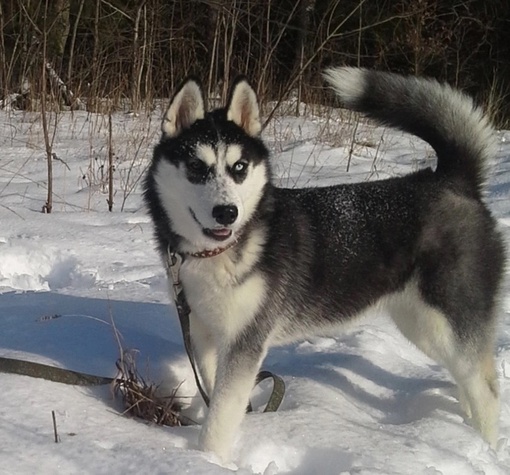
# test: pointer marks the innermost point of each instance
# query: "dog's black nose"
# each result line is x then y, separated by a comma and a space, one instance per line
225, 214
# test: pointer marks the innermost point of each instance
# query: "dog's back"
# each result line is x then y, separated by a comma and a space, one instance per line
370, 240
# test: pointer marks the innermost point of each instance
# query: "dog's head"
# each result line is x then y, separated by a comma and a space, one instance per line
210, 168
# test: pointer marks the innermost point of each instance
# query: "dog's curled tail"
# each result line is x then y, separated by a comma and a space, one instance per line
447, 119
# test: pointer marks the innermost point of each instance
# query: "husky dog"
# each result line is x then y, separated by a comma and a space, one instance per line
265, 266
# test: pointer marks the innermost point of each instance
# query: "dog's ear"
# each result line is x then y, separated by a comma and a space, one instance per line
243, 108
186, 107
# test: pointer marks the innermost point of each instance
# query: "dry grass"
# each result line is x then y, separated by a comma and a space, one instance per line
141, 399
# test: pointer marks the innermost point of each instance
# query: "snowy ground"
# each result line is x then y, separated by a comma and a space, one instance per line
366, 402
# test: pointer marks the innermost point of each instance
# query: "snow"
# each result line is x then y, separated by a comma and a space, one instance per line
366, 402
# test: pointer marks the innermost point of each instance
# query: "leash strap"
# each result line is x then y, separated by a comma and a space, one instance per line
50, 373
183, 310
276, 397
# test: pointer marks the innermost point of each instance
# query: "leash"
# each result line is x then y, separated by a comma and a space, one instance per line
183, 311
50, 373
174, 263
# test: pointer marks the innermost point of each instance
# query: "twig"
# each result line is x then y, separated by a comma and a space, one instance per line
57, 438
58, 159
110, 163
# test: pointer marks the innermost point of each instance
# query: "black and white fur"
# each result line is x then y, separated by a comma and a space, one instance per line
291, 263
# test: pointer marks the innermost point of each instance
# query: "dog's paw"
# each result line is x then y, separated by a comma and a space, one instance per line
214, 444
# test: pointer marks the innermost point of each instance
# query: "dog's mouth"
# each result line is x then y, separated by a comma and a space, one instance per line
218, 234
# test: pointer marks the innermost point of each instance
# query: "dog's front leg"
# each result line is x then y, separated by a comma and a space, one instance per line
238, 366
205, 351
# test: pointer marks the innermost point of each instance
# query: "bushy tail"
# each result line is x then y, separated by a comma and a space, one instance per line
447, 119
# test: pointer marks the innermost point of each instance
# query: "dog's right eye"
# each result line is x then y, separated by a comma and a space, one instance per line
197, 166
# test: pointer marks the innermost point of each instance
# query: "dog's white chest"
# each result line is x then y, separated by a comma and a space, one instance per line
219, 297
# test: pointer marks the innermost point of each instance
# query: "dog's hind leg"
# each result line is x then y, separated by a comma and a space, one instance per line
479, 393
469, 358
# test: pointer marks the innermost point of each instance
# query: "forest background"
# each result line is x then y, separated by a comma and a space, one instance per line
104, 55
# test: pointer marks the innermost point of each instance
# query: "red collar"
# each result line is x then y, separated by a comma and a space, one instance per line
212, 252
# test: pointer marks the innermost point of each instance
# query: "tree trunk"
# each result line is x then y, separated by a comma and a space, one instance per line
73, 42
58, 29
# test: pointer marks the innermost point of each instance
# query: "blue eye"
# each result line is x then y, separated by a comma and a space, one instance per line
240, 166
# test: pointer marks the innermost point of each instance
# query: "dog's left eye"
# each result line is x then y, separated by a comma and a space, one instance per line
240, 166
